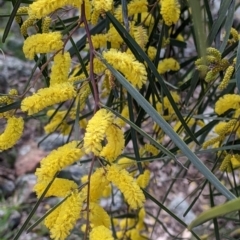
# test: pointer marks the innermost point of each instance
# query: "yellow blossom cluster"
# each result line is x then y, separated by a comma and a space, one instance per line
57, 160
57, 122
115, 145
62, 220
12, 133
230, 162
60, 68
234, 36
127, 185
131, 228
46, 97
42, 8
100, 232
133, 70
42, 43
134, 7
228, 101
168, 64
96, 130
170, 11
210, 66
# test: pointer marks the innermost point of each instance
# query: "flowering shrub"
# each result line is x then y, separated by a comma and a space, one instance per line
121, 88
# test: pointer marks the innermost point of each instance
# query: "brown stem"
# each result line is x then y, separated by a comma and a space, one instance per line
91, 73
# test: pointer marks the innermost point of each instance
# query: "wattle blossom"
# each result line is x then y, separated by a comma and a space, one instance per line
127, 185
115, 143
60, 68
60, 187
168, 64
228, 101
126, 63
42, 43
42, 8
46, 97
12, 133
170, 10
64, 217
100, 233
57, 160
96, 130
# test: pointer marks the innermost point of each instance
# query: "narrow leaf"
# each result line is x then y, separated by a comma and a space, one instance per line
214, 212
11, 19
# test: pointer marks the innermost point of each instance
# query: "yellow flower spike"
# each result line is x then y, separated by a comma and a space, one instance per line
213, 141
26, 24
68, 215
143, 179
42, 43
215, 53
226, 164
151, 149
114, 37
46, 97
127, 223
107, 191
57, 160
140, 35
98, 216
127, 185
13, 92
12, 133
125, 162
226, 79
59, 188
46, 22
115, 145
228, 101
137, 6
180, 37
21, 10
210, 76
42, 8
99, 40
50, 220
168, 64
222, 65
134, 234
134, 7
8, 100
57, 121
100, 233
60, 68
170, 10
98, 183
96, 130
133, 70
3, 99
88, 9
94, 16
152, 51
235, 36
224, 128
102, 5
83, 95
99, 67
203, 69
235, 161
